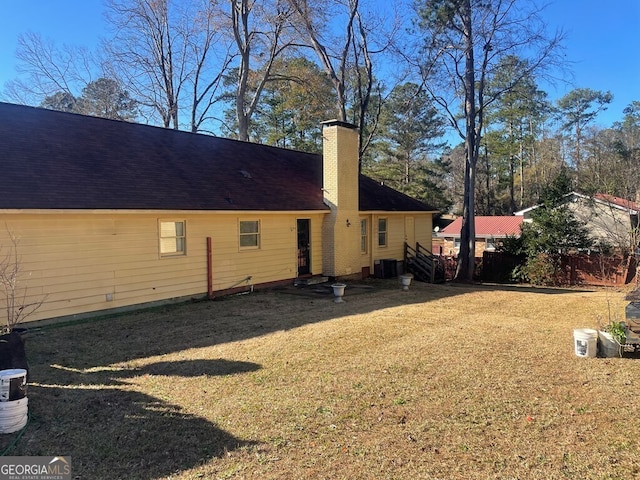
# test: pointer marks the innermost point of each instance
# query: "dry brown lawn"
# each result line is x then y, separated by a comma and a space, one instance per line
441, 382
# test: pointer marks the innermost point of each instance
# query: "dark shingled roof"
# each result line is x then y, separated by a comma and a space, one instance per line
377, 197
57, 160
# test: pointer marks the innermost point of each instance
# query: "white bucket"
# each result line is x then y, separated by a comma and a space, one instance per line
13, 384
586, 342
13, 415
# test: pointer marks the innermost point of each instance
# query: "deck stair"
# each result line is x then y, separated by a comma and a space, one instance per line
424, 265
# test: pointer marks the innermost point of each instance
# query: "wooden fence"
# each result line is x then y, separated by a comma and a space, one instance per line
497, 266
596, 269
576, 269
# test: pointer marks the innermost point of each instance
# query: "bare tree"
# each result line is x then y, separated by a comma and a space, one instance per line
347, 57
162, 48
212, 56
312, 18
46, 69
260, 30
148, 54
464, 43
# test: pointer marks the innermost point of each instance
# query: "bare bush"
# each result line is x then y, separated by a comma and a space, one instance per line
13, 287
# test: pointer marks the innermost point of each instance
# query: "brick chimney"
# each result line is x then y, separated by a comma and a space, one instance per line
341, 229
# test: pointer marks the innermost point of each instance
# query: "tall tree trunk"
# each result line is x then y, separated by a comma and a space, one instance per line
512, 171
464, 271
248, 92
487, 180
240, 21
521, 168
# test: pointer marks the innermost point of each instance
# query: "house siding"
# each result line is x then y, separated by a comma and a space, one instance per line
77, 260
396, 235
606, 224
610, 221
424, 229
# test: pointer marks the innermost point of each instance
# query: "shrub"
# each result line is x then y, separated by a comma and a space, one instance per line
543, 269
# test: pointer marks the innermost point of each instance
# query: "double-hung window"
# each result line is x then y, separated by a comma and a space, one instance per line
382, 232
364, 239
173, 238
249, 234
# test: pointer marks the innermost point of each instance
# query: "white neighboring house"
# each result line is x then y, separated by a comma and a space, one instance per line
612, 221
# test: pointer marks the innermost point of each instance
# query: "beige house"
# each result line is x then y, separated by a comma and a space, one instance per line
112, 215
612, 221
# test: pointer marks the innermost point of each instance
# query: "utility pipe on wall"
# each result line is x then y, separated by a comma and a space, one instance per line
209, 269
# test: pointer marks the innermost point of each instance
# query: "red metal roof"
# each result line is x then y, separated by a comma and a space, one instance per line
486, 227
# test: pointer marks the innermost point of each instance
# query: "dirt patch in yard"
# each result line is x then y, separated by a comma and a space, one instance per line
440, 382
326, 290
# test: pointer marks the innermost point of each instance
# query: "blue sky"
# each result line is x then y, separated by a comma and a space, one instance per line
603, 40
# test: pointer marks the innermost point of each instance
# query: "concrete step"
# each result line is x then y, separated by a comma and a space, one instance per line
315, 280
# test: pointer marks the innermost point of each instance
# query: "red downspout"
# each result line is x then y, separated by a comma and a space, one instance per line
209, 269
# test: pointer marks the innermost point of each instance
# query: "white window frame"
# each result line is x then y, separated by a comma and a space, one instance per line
490, 244
252, 234
172, 242
383, 233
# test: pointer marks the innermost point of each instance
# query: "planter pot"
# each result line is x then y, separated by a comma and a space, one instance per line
12, 353
406, 281
338, 292
608, 347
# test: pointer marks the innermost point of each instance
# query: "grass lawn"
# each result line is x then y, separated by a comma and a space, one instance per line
440, 382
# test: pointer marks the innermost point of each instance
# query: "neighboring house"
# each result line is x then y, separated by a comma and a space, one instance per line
111, 215
440, 222
489, 233
611, 221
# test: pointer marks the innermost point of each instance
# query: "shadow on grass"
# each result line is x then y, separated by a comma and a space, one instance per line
506, 287
111, 431
104, 341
